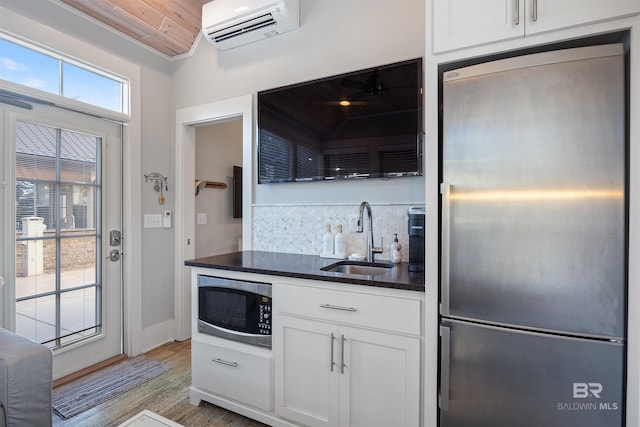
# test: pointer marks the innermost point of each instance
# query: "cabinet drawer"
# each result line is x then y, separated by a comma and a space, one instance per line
384, 312
234, 374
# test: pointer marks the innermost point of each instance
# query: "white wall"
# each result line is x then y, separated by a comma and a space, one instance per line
218, 149
157, 243
335, 36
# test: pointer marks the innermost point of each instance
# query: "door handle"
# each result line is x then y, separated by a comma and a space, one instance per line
534, 11
445, 189
516, 12
445, 367
114, 255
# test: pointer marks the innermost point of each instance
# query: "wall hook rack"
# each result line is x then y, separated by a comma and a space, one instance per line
159, 184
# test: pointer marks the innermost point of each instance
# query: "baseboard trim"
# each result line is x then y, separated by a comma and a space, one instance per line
157, 335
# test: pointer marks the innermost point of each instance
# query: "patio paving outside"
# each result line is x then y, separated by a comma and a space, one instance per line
36, 318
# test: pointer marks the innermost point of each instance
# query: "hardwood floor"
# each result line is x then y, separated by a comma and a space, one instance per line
166, 395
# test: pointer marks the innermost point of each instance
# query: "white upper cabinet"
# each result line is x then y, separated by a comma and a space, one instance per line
547, 15
464, 23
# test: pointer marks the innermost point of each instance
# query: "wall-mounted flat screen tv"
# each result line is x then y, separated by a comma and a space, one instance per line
364, 124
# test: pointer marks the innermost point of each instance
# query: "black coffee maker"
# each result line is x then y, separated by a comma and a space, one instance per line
416, 238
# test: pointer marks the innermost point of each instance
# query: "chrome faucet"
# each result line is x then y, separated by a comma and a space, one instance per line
371, 249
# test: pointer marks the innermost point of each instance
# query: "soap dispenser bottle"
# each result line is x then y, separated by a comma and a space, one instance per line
340, 243
327, 242
396, 250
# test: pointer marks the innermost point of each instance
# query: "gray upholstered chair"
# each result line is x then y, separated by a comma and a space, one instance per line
25, 382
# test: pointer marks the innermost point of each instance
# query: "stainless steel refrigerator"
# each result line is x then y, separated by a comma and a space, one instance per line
533, 241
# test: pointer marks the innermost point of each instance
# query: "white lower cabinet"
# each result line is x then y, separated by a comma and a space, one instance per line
342, 355
238, 375
380, 385
333, 374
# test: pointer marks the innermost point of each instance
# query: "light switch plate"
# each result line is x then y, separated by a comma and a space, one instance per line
201, 218
152, 221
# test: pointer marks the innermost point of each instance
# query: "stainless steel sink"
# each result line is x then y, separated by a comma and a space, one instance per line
358, 267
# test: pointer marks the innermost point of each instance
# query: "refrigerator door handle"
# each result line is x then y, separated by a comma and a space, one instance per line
445, 189
445, 351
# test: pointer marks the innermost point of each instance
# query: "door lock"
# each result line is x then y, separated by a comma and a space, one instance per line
115, 238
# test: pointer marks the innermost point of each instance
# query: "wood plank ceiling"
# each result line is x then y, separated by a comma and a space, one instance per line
168, 26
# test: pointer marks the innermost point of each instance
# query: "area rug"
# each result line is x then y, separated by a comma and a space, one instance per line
98, 387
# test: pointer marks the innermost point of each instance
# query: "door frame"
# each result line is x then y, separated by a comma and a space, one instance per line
187, 119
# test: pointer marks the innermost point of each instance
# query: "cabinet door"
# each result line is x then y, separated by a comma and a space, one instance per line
380, 383
547, 15
462, 23
306, 371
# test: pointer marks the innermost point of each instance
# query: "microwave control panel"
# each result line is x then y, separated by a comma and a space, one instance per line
264, 316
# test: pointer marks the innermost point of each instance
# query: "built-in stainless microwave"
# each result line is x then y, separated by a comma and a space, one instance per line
238, 310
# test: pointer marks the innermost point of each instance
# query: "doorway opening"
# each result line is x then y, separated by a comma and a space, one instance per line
218, 150
187, 121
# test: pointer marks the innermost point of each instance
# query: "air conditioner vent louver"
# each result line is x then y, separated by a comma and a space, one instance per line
232, 23
245, 27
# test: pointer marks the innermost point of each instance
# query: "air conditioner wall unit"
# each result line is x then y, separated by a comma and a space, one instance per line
232, 23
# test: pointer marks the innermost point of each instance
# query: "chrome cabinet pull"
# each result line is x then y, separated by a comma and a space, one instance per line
342, 339
337, 307
445, 353
534, 11
333, 338
516, 12
224, 362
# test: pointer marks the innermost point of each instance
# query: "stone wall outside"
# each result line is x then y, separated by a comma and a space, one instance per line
76, 252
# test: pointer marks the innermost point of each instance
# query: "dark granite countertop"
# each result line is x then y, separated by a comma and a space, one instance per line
308, 267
